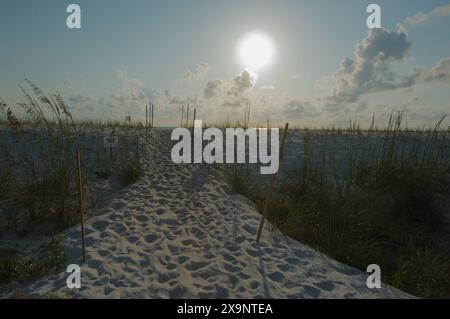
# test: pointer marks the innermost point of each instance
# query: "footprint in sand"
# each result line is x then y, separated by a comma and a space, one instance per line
250, 229
254, 285
104, 253
100, 225
311, 291
231, 268
183, 259
119, 228
178, 292
142, 218
325, 285
165, 277
118, 205
132, 239
196, 265
276, 276
92, 263
144, 263
150, 238
189, 242
243, 275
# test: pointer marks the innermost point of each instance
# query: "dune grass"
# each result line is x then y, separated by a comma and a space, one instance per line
37, 157
38, 139
38, 177
17, 268
385, 204
129, 171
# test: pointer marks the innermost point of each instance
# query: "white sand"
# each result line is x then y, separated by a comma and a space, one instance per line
180, 233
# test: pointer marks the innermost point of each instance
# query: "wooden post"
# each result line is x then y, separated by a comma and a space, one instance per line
270, 189
182, 115
193, 121
187, 116
146, 118
153, 108
80, 190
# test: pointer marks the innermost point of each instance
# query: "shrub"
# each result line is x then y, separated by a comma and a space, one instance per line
51, 257
379, 204
129, 171
42, 168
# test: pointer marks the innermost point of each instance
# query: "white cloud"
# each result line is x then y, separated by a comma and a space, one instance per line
297, 108
177, 100
198, 73
232, 92
242, 83
213, 89
422, 18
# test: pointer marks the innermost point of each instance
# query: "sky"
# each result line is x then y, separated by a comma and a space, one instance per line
327, 67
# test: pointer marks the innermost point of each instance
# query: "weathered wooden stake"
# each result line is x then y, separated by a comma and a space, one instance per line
182, 115
193, 121
271, 185
146, 118
153, 108
187, 117
80, 190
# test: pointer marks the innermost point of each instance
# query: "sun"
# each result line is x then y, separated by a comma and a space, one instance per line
256, 51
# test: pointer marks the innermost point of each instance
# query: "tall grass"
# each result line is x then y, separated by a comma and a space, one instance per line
370, 196
37, 158
38, 139
17, 268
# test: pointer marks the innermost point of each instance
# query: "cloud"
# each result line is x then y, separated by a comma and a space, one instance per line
78, 99
362, 106
232, 103
199, 72
213, 89
370, 70
237, 102
121, 74
232, 92
242, 83
131, 95
439, 73
177, 100
422, 18
119, 99
173, 99
267, 87
297, 108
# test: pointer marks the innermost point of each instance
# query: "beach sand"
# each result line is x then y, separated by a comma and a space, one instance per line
179, 232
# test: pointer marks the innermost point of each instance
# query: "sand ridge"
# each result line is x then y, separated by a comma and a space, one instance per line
180, 233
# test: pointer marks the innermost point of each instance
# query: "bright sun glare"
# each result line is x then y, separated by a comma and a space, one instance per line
256, 51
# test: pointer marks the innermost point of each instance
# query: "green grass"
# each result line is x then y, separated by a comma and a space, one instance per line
15, 268
129, 171
38, 176
236, 178
42, 171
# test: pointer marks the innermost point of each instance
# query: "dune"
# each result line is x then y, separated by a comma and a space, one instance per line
179, 232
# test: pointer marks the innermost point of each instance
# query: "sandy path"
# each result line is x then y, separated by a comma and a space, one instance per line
178, 233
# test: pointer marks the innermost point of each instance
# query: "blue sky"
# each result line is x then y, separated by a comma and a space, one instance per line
130, 51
